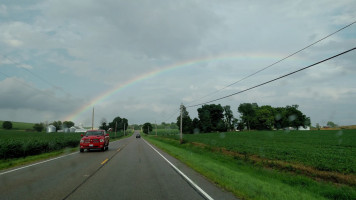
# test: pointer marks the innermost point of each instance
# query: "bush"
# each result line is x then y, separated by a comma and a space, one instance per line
7, 125
38, 127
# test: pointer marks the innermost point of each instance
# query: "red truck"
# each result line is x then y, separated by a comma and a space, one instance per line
95, 139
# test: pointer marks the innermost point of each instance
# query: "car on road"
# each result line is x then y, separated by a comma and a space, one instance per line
95, 139
138, 135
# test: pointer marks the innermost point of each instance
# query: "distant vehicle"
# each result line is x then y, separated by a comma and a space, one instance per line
94, 139
138, 135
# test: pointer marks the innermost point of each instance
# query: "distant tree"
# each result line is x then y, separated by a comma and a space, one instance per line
186, 121
7, 125
120, 122
173, 125
228, 118
211, 118
124, 124
57, 124
264, 118
68, 124
196, 125
248, 113
317, 126
103, 124
147, 127
331, 124
38, 127
280, 119
296, 118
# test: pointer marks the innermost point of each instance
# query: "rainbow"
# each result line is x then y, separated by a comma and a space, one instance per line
165, 69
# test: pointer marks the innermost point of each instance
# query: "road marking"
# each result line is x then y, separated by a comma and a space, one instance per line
118, 149
36, 163
201, 191
104, 161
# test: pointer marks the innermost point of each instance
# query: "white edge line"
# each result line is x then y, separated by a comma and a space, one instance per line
36, 164
183, 175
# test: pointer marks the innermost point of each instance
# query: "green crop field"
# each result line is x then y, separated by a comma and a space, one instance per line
18, 143
323, 150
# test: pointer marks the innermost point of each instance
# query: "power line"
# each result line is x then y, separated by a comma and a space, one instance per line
290, 55
171, 116
256, 86
33, 74
33, 88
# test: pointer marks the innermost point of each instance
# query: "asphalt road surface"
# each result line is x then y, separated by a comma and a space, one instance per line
130, 169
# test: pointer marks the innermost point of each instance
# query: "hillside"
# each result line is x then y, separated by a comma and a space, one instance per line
19, 125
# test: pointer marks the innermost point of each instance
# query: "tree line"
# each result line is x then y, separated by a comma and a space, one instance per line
217, 118
117, 124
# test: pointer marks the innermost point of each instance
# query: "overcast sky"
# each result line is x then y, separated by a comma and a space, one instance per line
58, 56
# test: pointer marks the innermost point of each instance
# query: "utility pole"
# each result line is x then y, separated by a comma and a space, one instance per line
124, 129
181, 123
92, 120
115, 128
156, 127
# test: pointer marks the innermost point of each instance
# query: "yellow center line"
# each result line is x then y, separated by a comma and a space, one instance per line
118, 149
104, 161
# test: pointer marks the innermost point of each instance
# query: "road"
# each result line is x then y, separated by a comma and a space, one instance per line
130, 169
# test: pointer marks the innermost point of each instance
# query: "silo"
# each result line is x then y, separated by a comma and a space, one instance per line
72, 129
51, 129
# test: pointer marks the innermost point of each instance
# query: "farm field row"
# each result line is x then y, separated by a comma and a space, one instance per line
323, 150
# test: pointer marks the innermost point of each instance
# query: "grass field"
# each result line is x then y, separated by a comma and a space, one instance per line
19, 126
252, 180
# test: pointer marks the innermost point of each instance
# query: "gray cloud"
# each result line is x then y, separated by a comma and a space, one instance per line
86, 48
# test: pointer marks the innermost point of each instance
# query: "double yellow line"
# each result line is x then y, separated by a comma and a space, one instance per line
106, 160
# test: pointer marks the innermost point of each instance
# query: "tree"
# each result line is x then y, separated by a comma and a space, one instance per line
228, 118
103, 124
120, 122
280, 119
57, 124
331, 124
68, 124
264, 118
296, 118
196, 125
147, 127
124, 124
7, 125
248, 113
317, 126
186, 121
211, 118
38, 127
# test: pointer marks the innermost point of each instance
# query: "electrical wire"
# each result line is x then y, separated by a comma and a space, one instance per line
290, 55
35, 75
256, 86
33, 88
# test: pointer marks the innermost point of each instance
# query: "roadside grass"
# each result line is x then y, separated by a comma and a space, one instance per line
248, 181
14, 162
